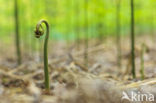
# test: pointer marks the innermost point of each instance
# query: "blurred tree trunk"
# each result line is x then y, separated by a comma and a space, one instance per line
77, 23
132, 40
118, 36
18, 50
70, 21
152, 26
86, 33
100, 32
31, 29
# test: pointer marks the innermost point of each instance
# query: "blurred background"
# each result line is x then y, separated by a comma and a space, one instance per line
72, 19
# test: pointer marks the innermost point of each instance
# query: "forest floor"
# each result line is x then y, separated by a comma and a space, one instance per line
102, 81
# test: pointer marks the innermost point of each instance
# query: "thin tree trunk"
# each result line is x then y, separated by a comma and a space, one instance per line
70, 19
132, 40
118, 36
152, 27
86, 33
18, 50
77, 27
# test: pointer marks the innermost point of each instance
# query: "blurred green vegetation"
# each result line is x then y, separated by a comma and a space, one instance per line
67, 17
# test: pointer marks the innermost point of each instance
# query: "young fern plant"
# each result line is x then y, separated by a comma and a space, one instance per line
38, 33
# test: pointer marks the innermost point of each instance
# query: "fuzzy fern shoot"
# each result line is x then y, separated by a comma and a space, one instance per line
38, 33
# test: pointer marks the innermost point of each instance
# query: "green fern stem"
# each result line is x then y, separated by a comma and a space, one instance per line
39, 32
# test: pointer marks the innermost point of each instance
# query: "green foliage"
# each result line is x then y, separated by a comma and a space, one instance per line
62, 16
